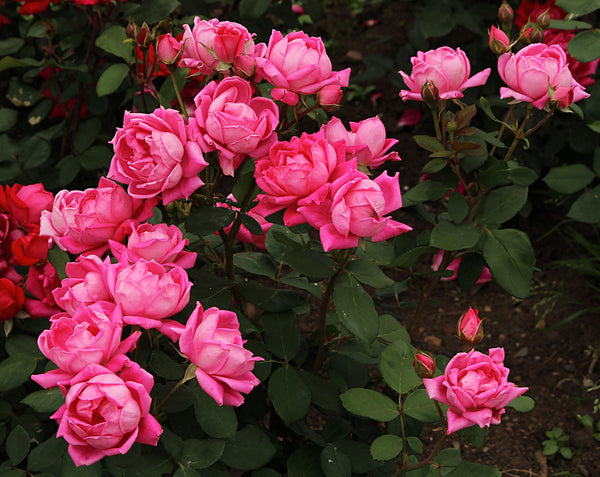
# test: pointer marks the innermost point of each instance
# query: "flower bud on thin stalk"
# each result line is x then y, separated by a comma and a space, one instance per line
543, 20
469, 328
505, 15
424, 364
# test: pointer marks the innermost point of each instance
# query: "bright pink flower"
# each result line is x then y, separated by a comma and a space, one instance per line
476, 388
92, 335
161, 243
358, 207
305, 166
486, 275
149, 293
25, 203
213, 343
533, 72
530, 11
329, 97
582, 72
12, 298
155, 155
298, 64
446, 68
229, 119
469, 328
42, 280
366, 141
84, 221
106, 411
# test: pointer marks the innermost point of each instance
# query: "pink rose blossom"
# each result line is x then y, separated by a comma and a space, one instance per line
534, 72
25, 202
305, 166
486, 275
409, 117
213, 343
106, 411
91, 335
161, 243
149, 293
297, 64
358, 207
446, 68
582, 72
476, 388
366, 141
155, 155
230, 120
82, 222
168, 49
41, 281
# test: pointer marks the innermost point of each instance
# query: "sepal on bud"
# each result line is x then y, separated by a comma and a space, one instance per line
505, 15
424, 364
498, 41
430, 94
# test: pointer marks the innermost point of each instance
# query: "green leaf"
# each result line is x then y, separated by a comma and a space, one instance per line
503, 204
304, 462
153, 11
255, 262
521, 176
11, 45
15, 370
315, 265
111, 78
458, 207
578, 7
411, 257
34, 151
251, 449
522, 404
269, 299
368, 403
429, 143
253, 9
587, 207
46, 454
96, 157
68, 168
569, 179
217, 421
426, 190
448, 458
289, 395
114, 40
585, 46
355, 308
323, 393
415, 444
86, 134
569, 25
201, 453
469, 469
281, 334
46, 400
8, 118
24, 344
386, 447
435, 21
335, 463
165, 367
367, 272
510, 258
469, 270
449, 236
17, 445
420, 406
494, 175
205, 220
9, 62
475, 435
395, 364
59, 259
597, 160
435, 165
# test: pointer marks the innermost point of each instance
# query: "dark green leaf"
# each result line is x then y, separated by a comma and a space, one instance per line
86, 134
281, 334
449, 236
8, 118
323, 393
469, 469
34, 151
410, 258
165, 367
16, 343
469, 270
435, 165
9, 62
46, 454
458, 207
304, 462
587, 207
429, 143
585, 46
426, 190
569, 179
578, 7
46, 400
355, 308
435, 20
96, 157
114, 40
369, 403
59, 259
475, 435
201, 453
15, 370
569, 24
111, 78
367, 272
205, 220
252, 224
420, 406
251, 449
255, 262
494, 175
391, 330
396, 367
289, 395
386, 447
521, 176
153, 11
335, 463
17, 445
503, 204
448, 458
253, 9
315, 265
269, 299
11, 45
68, 168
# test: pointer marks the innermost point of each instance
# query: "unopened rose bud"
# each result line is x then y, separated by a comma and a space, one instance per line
329, 97
505, 14
144, 37
543, 20
469, 327
131, 29
424, 364
561, 97
430, 94
168, 49
498, 41
297, 9
537, 35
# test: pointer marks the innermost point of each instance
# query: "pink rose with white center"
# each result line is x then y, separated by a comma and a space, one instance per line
366, 141
305, 166
476, 388
535, 73
82, 222
213, 343
229, 119
106, 411
91, 335
149, 293
41, 281
161, 242
357, 207
155, 155
297, 64
447, 69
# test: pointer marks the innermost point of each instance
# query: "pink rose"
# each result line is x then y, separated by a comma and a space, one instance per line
582, 72
155, 155
89, 280
424, 364
91, 335
366, 141
230, 120
298, 64
358, 207
106, 411
82, 222
161, 243
148, 293
534, 72
25, 203
486, 275
41, 281
303, 167
446, 68
476, 388
213, 343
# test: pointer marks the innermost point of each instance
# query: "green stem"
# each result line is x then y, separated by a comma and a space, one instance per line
518, 134
179, 98
169, 395
503, 127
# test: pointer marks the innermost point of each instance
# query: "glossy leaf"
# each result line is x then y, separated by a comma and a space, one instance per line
369, 403
355, 308
289, 395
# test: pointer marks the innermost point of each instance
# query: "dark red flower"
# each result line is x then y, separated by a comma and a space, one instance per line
12, 298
